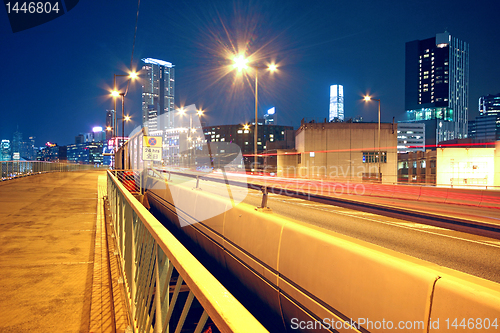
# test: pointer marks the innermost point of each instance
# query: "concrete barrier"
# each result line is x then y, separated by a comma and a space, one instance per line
382, 190
337, 276
407, 192
302, 272
474, 303
433, 194
464, 197
490, 198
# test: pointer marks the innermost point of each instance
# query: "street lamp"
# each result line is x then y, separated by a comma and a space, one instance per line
115, 93
367, 99
241, 63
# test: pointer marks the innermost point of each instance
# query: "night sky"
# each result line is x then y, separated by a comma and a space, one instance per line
55, 77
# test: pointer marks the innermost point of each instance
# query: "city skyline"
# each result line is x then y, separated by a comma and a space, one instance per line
364, 51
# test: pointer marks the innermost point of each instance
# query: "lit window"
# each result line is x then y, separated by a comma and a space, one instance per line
240, 131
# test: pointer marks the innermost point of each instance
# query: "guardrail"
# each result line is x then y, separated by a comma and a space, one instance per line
305, 275
16, 169
159, 271
489, 198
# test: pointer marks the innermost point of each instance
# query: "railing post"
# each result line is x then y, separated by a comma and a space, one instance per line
158, 322
264, 197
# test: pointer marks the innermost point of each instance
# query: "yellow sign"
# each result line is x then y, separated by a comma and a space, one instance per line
152, 141
151, 148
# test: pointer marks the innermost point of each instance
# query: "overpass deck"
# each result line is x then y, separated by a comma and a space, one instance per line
53, 256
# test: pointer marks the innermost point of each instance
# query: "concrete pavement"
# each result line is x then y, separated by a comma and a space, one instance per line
48, 254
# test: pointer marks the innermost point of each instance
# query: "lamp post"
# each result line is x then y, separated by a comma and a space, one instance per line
131, 76
240, 63
367, 99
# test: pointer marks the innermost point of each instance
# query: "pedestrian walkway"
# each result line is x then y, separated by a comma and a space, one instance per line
55, 274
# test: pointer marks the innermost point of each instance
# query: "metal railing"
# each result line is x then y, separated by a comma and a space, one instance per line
15, 169
160, 274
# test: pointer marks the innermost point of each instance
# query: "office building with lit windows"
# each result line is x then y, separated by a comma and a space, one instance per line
270, 118
243, 136
158, 78
486, 127
411, 137
336, 103
437, 86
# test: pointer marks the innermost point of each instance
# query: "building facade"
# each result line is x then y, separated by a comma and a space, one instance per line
270, 118
5, 150
468, 167
437, 86
489, 104
158, 94
243, 137
342, 151
411, 137
17, 142
85, 153
486, 127
336, 103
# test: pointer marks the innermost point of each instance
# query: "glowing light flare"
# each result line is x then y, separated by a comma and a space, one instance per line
272, 68
133, 75
127, 118
115, 93
240, 62
108, 128
181, 110
367, 98
246, 127
200, 112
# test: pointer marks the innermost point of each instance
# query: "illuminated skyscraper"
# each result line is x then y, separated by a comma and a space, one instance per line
17, 140
110, 124
158, 94
336, 103
5, 154
437, 86
270, 118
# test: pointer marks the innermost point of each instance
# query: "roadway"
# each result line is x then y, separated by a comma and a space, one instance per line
472, 254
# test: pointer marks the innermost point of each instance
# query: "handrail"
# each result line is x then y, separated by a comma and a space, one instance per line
149, 253
16, 169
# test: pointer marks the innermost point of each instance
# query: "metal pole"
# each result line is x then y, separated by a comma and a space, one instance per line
379, 152
256, 116
114, 122
123, 130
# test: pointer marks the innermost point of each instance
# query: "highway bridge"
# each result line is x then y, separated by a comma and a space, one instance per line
295, 259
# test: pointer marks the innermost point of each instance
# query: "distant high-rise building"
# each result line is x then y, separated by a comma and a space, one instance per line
489, 104
437, 86
486, 127
28, 149
270, 117
17, 140
5, 154
336, 102
411, 137
158, 108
